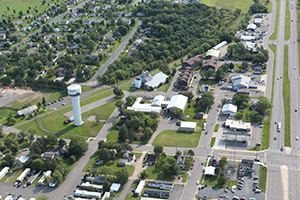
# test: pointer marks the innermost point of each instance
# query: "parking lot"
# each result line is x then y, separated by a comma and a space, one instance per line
246, 190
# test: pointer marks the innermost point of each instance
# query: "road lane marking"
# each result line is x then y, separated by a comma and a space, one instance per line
236, 155
284, 173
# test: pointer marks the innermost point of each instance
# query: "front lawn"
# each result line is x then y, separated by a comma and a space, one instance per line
112, 136
155, 175
172, 138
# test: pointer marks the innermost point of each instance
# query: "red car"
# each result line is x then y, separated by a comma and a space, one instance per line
67, 121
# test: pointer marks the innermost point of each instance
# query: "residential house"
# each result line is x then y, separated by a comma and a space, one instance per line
211, 63
122, 162
128, 14
160, 185
193, 61
60, 72
34, 23
138, 136
55, 30
96, 179
74, 46
126, 21
115, 187
240, 81
87, 22
156, 193
59, 46
180, 161
64, 22
48, 155
184, 79
129, 156
93, 9
151, 159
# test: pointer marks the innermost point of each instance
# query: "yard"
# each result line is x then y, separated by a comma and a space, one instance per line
274, 34
171, 138
213, 181
112, 136
155, 175
244, 5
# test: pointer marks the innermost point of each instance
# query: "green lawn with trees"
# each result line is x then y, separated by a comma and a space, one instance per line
229, 4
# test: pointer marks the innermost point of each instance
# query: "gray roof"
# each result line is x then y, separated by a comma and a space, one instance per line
156, 80
28, 110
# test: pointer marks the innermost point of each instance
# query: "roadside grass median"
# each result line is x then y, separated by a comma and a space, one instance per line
262, 178
274, 34
216, 128
287, 32
286, 98
212, 142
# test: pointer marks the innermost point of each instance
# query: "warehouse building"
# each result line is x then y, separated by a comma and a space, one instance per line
188, 126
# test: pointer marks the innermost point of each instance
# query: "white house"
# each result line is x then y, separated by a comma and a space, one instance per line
140, 188
248, 38
229, 109
240, 81
188, 126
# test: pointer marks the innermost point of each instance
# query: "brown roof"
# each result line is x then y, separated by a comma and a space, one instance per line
212, 61
59, 70
194, 59
139, 136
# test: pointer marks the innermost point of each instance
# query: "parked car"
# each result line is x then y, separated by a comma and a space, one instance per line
178, 123
67, 121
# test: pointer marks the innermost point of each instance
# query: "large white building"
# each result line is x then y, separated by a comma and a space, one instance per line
145, 79
237, 125
229, 109
177, 101
240, 81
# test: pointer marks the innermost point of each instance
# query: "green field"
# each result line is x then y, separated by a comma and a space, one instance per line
287, 32
23, 5
32, 125
153, 174
286, 98
177, 139
112, 136
274, 34
230, 4
262, 178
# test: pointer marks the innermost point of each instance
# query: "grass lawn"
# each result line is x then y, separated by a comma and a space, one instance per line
112, 136
287, 32
274, 34
216, 128
262, 178
3, 114
132, 196
96, 98
34, 125
212, 142
286, 98
86, 88
49, 94
171, 138
213, 181
104, 110
138, 155
110, 167
153, 174
208, 82
239, 4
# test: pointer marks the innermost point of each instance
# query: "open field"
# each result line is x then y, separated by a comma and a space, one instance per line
177, 139
287, 32
240, 4
153, 174
112, 135
286, 98
274, 34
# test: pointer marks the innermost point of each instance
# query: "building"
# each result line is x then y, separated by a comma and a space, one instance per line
248, 38
115, 187
160, 185
96, 179
184, 80
140, 187
229, 109
64, 22
211, 63
180, 161
128, 14
89, 185
27, 111
213, 52
220, 45
3, 172
193, 61
74, 91
23, 175
257, 21
245, 168
250, 46
177, 101
2, 36
137, 106
129, 156
48, 155
156, 193
157, 79
209, 171
87, 194
204, 88
46, 174
188, 126
240, 81
106, 195
251, 27
151, 159
237, 125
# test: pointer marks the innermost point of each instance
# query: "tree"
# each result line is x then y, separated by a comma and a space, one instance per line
217, 171
57, 177
147, 134
37, 164
209, 73
21, 136
123, 133
118, 92
90, 45
191, 153
244, 65
177, 113
43, 197
223, 101
132, 22
52, 140
72, 159
144, 174
238, 115
122, 176
241, 99
43, 100
263, 105
222, 180
223, 162
207, 100
189, 95
77, 147
61, 142
177, 154
170, 167
158, 149
219, 74
98, 118
130, 100
10, 159
255, 116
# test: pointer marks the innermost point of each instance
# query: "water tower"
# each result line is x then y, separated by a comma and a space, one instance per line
74, 91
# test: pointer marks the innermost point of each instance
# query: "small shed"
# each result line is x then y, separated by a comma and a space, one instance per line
188, 126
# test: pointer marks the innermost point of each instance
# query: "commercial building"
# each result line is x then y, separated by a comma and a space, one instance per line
140, 187
188, 126
229, 109
177, 101
240, 81
27, 111
209, 171
220, 45
237, 125
87, 194
145, 79
213, 52
137, 106
211, 63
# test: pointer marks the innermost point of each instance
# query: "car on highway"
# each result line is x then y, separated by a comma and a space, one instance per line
294, 67
197, 182
275, 138
297, 138
280, 76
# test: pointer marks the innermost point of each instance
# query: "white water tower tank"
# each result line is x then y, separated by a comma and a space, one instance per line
138, 82
74, 91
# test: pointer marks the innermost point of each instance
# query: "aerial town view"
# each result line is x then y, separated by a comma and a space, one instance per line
149, 99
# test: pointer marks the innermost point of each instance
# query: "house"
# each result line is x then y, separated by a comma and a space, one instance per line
115, 187
177, 101
64, 22
188, 126
87, 194
258, 70
138, 136
229, 109
257, 21
248, 38
34, 23
59, 46
48, 155
60, 72
128, 14
93, 9
129, 156
96, 179
240, 81
151, 159
110, 39
44, 17
204, 88
212, 52
118, 14
193, 61
140, 187
214, 161
250, 46
237, 125
74, 46
55, 30
140, 14
122, 162
184, 79
251, 27
27, 111
126, 21
209, 171
156, 193
87, 22
211, 63
180, 161
137, 42
160, 185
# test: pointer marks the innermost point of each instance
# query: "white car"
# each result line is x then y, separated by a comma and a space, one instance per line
294, 67
197, 182
189, 176
297, 138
